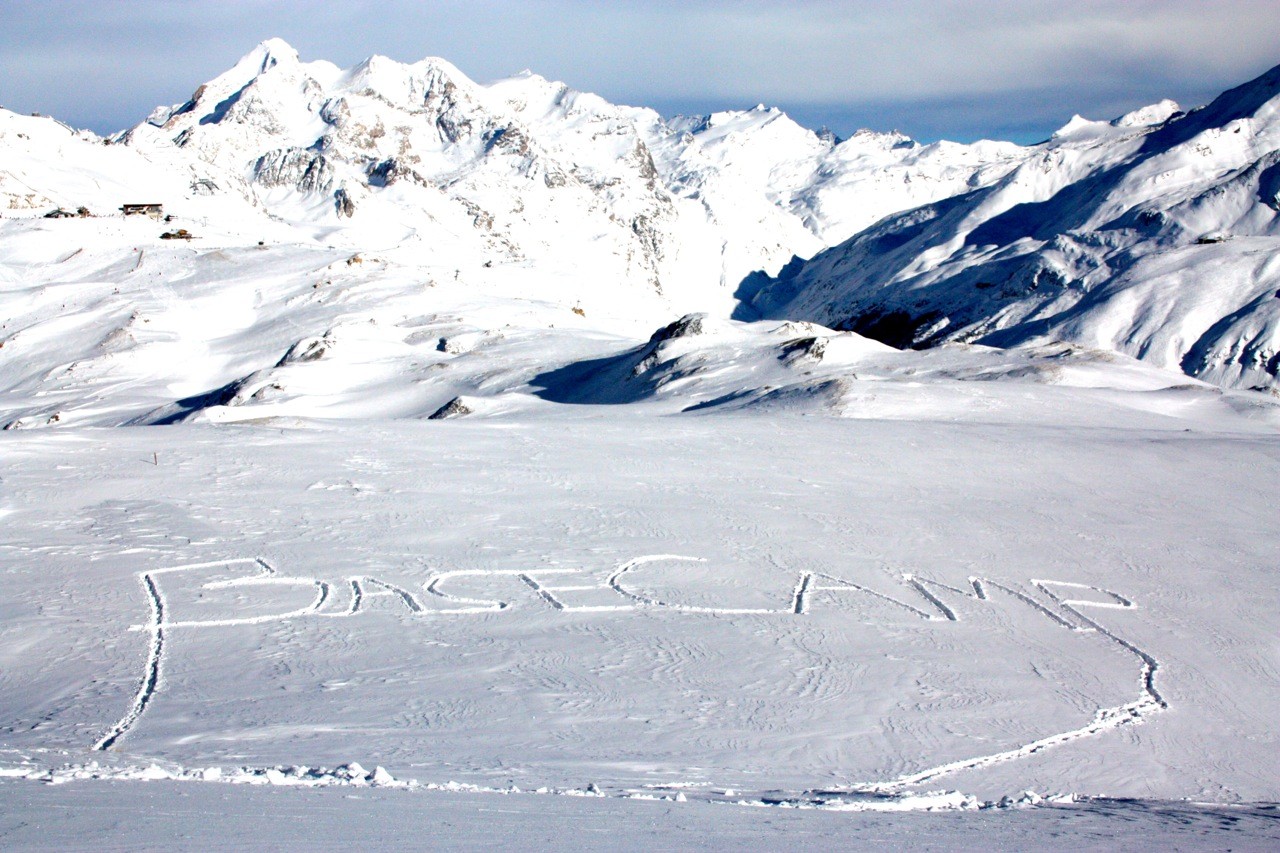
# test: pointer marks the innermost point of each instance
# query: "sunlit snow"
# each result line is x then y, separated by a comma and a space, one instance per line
498, 441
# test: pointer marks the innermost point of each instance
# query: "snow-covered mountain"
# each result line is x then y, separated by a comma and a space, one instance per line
527, 170
521, 193
1156, 235
385, 240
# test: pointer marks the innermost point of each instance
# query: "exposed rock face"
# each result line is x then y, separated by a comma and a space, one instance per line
299, 168
455, 408
343, 203
687, 326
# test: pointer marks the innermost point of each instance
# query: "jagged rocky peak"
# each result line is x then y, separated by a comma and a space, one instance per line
685, 206
279, 121
268, 55
268, 93
890, 139
431, 84
274, 58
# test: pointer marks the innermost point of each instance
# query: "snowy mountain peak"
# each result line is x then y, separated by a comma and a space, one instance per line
1078, 125
273, 51
1080, 128
1150, 115
268, 55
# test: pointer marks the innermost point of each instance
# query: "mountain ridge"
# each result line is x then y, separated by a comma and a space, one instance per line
422, 238
669, 177
1151, 239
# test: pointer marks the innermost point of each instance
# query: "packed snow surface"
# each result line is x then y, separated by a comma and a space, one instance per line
163, 815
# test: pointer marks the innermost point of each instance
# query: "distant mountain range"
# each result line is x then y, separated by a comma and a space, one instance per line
1154, 235
524, 170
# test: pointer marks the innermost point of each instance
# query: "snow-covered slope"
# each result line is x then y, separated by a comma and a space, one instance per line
107, 324
46, 166
1156, 235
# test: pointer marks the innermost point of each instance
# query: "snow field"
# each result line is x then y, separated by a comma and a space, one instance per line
877, 611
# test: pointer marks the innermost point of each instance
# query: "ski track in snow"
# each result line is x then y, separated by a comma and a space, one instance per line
897, 790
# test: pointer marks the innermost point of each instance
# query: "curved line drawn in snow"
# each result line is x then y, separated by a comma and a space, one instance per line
268, 577
151, 675
481, 605
1105, 719
154, 669
647, 601
1149, 702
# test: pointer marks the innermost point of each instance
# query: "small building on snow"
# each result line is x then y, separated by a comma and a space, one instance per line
152, 210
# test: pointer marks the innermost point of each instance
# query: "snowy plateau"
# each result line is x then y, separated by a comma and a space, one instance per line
444, 464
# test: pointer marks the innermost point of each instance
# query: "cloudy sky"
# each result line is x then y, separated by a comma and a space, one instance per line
958, 69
